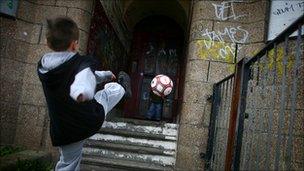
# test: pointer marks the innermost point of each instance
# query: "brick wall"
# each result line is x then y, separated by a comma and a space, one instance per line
24, 119
216, 28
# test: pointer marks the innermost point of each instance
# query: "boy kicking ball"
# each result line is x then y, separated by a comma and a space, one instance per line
69, 81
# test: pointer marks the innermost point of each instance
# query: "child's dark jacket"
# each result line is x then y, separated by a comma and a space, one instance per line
70, 121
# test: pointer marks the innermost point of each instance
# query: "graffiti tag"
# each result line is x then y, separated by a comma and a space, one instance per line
223, 8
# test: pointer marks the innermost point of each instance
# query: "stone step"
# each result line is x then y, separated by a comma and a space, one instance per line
120, 164
149, 158
117, 139
136, 134
164, 129
88, 167
145, 122
128, 148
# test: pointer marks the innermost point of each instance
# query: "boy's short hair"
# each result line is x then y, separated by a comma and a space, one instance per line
61, 32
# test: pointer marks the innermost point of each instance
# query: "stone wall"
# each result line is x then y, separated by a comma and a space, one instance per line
216, 28
24, 119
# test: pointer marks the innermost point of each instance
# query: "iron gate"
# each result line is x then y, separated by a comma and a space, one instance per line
257, 119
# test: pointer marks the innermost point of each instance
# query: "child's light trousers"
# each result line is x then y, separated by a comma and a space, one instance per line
70, 155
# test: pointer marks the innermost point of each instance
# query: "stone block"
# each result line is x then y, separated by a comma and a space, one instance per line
11, 69
269, 119
256, 31
191, 135
32, 94
219, 71
196, 114
197, 70
192, 51
199, 28
10, 90
83, 40
249, 50
8, 112
82, 18
230, 32
206, 10
28, 136
214, 50
188, 158
34, 12
258, 145
26, 10
250, 11
3, 45
197, 91
30, 126
7, 133
30, 74
17, 50
86, 5
207, 113
31, 115
48, 143
36, 52
267, 90
239, 33
45, 12
20, 30
7, 27
43, 2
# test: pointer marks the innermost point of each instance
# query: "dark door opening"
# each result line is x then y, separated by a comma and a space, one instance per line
157, 48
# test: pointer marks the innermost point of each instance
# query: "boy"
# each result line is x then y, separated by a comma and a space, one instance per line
156, 106
69, 81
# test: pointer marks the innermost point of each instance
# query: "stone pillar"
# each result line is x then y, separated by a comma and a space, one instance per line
216, 28
23, 109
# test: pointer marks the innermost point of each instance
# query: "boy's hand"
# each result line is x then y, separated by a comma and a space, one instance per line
80, 98
104, 76
113, 77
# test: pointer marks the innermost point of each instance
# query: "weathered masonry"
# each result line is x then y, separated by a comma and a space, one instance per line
197, 43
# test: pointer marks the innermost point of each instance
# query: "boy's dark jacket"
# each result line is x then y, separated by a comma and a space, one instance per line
70, 121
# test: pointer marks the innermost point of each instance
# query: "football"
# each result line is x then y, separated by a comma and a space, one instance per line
161, 85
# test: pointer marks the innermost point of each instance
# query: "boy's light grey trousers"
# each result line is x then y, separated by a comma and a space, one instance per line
70, 155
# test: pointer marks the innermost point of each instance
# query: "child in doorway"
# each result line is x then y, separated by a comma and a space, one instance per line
156, 106
69, 81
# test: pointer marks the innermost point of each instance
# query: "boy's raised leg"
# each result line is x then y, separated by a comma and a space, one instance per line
114, 92
109, 96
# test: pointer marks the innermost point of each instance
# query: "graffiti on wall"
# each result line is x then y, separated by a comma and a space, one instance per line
114, 11
220, 44
104, 44
275, 59
164, 58
223, 8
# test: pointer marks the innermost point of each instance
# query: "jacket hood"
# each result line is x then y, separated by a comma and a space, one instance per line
49, 61
52, 66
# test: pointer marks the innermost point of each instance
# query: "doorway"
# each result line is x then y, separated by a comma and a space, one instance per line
157, 48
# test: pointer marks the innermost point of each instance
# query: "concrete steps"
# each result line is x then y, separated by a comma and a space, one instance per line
127, 147
130, 146
102, 164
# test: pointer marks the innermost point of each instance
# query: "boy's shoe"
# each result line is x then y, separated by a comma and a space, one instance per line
125, 81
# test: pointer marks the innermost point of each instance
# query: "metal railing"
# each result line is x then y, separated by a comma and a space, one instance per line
218, 127
263, 102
